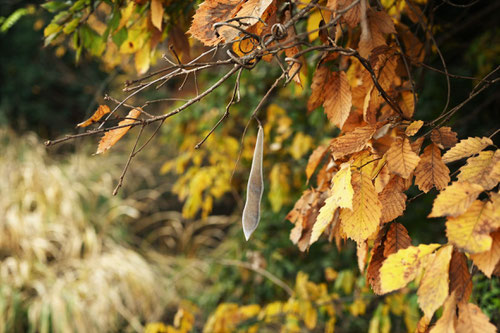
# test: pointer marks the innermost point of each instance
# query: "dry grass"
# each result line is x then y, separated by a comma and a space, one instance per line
64, 266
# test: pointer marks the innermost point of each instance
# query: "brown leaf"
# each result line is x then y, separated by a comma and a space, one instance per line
338, 99
393, 199
318, 91
110, 138
376, 261
180, 43
472, 320
352, 16
290, 52
352, 142
209, 13
401, 159
379, 25
460, 278
157, 13
444, 137
487, 261
397, 238
414, 127
466, 148
101, 111
431, 171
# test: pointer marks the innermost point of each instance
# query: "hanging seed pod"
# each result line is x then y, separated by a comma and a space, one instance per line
255, 188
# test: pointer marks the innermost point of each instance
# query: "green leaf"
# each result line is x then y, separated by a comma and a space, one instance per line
55, 6
120, 36
71, 26
12, 19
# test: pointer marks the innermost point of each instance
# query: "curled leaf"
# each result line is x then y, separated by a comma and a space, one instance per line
101, 111
255, 188
110, 138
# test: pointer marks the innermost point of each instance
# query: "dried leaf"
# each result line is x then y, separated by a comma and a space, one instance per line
414, 127
320, 78
352, 16
401, 267
157, 13
472, 320
433, 288
431, 171
376, 261
352, 142
110, 138
290, 52
255, 188
397, 238
364, 218
101, 111
487, 261
444, 137
446, 324
471, 230
401, 159
315, 158
209, 13
361, 253
466, 148
479, 169
460, 278
338, 99
393, 199
455, 199
379, 25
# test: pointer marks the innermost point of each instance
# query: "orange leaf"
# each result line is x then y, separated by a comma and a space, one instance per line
315, 158
101, 111
466, 148
471, 320
110, 138
364, 218
373, 270
414, 127
455, 199
460, 279
487, 261
338, 98
379, 25
444, 137
397, 238
352, 142
361, 253
393, 199
431, 171
157, 13
401, 159
318, 91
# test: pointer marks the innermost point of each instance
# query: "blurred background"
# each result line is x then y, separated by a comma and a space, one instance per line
168, 253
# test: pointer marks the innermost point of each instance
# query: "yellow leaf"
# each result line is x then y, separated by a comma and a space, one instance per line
352, 142
313, 24
446, 324
101, 111
413, 128
479, 169
401, 267
455, 199
300, 145
466, 148
157, 13
471, 230
112, 137
431, 171
142, 58
433, 288
472, 320
364, 218
52, 28
341, 196
280, 186
487, 261
338, 98
401, 159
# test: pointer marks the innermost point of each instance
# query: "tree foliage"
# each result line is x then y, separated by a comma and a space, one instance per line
357, 61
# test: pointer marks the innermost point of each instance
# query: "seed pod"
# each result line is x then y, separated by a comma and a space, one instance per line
255, 188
